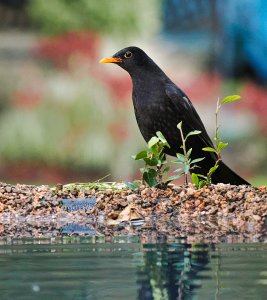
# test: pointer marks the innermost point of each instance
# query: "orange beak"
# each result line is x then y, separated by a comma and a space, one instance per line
110, 60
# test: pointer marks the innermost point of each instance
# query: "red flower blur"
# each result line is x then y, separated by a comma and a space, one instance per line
59, 49
26, 99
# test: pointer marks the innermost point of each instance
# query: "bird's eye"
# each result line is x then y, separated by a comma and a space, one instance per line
128, 54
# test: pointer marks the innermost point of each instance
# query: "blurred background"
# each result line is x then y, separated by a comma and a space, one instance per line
66, 118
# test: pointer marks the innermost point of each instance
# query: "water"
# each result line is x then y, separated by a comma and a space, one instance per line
92, 268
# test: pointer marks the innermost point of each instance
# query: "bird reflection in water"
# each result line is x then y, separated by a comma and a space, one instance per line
170, 271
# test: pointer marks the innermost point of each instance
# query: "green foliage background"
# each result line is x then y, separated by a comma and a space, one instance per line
119, 17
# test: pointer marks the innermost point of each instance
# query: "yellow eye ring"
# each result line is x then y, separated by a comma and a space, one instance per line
128, 54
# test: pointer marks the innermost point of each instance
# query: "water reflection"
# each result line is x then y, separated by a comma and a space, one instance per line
171, 271
91, 268
74, 228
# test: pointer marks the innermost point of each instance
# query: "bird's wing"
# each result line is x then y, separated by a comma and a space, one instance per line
187, 112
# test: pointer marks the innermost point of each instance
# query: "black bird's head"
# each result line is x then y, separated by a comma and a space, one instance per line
130, 59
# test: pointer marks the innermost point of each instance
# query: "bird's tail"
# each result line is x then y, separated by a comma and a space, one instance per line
225, 175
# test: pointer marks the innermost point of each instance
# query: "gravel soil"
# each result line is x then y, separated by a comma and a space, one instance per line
215, 213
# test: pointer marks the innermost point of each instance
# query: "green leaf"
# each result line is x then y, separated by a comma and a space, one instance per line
150, 177
209, 149
197, 160
202, 183
180, 155
179, 161
179, 125
180, 158
162, 138
137, 183
161, 162
202, 176
213, 169
195, 132
166, 170
153, 141
151, 161
195, 179
186, 168
222, 145
230, 99
189, 152
140, 155
155, 150
171, 178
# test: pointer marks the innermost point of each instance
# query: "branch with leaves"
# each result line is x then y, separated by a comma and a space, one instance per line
155, 159
201, 180
185, 158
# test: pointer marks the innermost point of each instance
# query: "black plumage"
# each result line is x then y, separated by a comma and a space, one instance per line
160, 105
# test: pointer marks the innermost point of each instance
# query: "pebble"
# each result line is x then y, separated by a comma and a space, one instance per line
8, 189
256, 217
130, 198
197, 202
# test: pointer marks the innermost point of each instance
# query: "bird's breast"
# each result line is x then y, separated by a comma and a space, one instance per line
153, 113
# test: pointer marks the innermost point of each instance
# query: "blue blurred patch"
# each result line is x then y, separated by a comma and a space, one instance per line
78, 203
74, 228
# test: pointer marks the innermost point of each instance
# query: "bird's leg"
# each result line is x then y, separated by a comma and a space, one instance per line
185, 179
159, 174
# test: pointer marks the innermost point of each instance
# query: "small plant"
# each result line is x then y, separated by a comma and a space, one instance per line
155, 160
201, 180
185, 158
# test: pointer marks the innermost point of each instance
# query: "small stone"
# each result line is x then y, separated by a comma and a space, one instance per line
100, 205
197, 202
146, 204
188, 205
256, 217
208, 207
169, 209
8, 189
182, 194
213, 211
201, 206
130, 198
108, 192
113, 215
143, 192
190, 191
55, 202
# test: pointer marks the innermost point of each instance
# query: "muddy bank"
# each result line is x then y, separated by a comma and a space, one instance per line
216, 213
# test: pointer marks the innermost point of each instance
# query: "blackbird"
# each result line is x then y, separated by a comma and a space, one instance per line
160, 105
